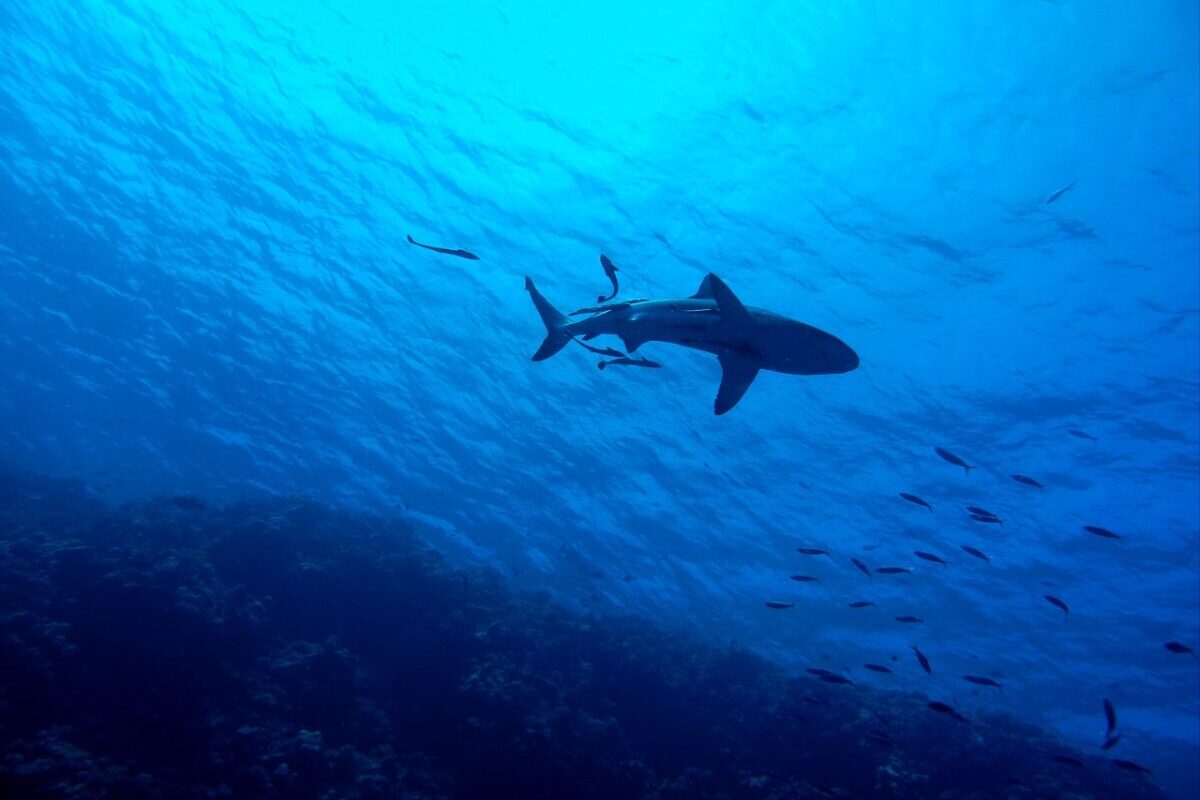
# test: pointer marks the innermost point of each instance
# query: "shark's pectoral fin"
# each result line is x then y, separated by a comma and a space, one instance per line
732, 311
737, 374
632, 343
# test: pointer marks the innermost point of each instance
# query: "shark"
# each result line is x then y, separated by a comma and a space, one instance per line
745, 340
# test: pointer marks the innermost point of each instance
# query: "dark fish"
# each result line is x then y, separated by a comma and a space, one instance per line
1129, 765
892, 570
930, 557
879, 737
912, 498
446, 251
1070, 761
861, 566
908, 618
1060, 193
877, 668
811, 551
1082, 435
1103, 533
987, 519
187, 502
983, 512
1110, 742
953, 459
942, 708
924, 662
981, 681
1179, 648
1028, 481
626, 361
974, 552
818, 671
805, 579
861, 604
1110, 715
1054, 601
869, 547
834, 678
610, 269
778, 604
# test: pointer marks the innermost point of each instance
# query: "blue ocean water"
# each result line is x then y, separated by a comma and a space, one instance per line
205, 289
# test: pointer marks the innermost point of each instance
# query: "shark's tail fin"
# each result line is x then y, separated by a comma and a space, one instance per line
555, 321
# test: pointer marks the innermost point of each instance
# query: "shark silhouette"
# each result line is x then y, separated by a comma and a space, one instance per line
744, 340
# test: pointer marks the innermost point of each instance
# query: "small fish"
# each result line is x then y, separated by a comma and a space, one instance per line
879, 737
778, 604
835, 678
1110, 742
1070, 761
610, 269
811, 551
1110, 716
1082, 435
187, 502
908, 618
942, 708
1179, 648
863, 568
892, 570
818, 671
1129, 765
953, 459
1054, 601
1028, 481
930, 557
912, 498
877, 668
1060, 193
805, 579
922, 660
626, 361
966, 548
987, 520
981, 681
861, 604
983, 512
445, 251
1103, 533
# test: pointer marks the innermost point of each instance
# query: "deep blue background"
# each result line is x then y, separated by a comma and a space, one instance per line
204, 287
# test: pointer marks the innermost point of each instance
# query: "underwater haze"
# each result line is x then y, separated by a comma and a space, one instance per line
211, 315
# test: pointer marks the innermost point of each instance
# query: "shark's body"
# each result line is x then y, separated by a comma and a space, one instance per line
745, 340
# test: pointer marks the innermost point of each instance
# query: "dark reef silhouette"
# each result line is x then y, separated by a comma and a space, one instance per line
284, 648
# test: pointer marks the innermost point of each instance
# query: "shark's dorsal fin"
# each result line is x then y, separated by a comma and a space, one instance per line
705, 291
737, 374
731, 308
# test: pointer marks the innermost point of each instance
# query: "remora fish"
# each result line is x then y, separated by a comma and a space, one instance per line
744, 340
610, 269
974, 552
942, 708
981, 681
1054, 601
1060, 193
912, 498
1028, 481
953, 459
467, 254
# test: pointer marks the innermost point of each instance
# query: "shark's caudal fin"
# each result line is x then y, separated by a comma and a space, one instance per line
555, 321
